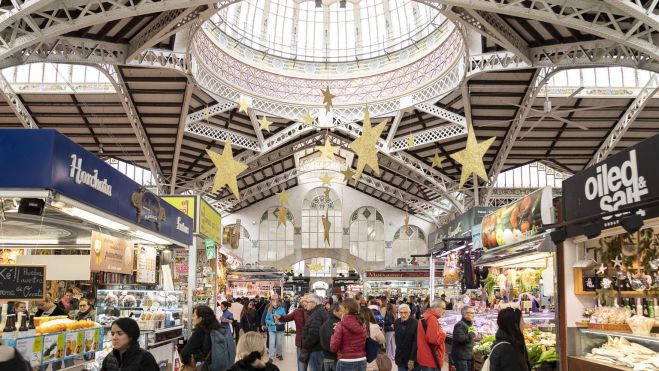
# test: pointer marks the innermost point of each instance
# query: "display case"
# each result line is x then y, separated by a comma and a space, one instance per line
486, 323
608, 350
154, 310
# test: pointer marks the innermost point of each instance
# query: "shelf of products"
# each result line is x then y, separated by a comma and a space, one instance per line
153, 309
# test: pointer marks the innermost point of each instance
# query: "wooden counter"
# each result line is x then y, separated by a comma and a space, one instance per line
587, 364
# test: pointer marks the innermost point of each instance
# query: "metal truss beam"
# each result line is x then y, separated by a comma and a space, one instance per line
257, 129
466, 102
394, 127
493, 27
442, 113
644, 14
504, 196
16, 104
41, 25
590, 17
211, 111
114, 75
163, 26
161, 59
627, 119
436, 134
180, 132
217, 133
535, 86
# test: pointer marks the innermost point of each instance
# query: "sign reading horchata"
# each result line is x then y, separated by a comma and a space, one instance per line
90, 177
110, 254
626, 178
22, 282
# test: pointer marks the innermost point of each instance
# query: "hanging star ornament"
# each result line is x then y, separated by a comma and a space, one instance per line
326, 180
365, 147
347, 174
327, 193
406, 222
326, 226
410, 141
227, 169
601, 270
327, 99
264, 123
243, 105
281, 214
617, 262
327, 150
283, 197
307, 119
471, 158
437, 161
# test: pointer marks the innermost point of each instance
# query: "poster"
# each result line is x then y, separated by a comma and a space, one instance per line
110, 254
74, 342
31, 349
146, 265
185, 204
181, 262
209, 221
53, 347
92, 340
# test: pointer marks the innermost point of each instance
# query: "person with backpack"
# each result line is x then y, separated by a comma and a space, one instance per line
210, 342
311, 332
300, 317
430, 338
375, 333
275, 329
464, 335
508, 351
374, 306
126, 353
405, 328
349, 338
251, 351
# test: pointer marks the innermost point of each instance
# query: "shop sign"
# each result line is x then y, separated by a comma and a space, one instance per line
110, 254
185, 204
626, 178
59, 164
517, 221
393, 274
146, 265
181, 261
211, 251
460, 226
148, 208
22, 282
209, 221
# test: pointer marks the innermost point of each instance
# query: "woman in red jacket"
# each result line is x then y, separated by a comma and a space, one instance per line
349, 338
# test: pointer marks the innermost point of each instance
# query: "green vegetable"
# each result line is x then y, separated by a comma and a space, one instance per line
548, 355
534, 352
488, 339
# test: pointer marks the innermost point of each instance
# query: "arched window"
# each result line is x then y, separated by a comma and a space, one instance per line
275, 239
408, 240
247, 251
320, 267
367, 234
315, 206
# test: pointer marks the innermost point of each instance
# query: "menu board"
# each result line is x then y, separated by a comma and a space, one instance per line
146, 264
22, 282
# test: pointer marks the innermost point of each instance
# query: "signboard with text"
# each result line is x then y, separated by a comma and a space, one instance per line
110, 254
22, 282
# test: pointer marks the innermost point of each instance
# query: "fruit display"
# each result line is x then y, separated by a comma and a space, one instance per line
513, 223
610, 315
61, 325
622, 352
541, 346
452, 273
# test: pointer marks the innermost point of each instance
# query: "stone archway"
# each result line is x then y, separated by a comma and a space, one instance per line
343, 255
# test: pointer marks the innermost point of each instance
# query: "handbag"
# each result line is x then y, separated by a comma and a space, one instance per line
372, 346
383, 361
192, 365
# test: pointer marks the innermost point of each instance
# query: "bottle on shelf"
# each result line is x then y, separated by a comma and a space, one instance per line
651, 308
31, 329
646, 311
639, 307
626, 303
23, 320
10, 329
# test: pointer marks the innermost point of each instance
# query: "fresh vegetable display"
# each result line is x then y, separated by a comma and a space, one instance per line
620, 351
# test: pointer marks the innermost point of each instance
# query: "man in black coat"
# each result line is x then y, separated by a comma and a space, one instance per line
405, 336
311, 332
326, 331
464, 335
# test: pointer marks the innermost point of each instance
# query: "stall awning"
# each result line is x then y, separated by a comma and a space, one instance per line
529, 253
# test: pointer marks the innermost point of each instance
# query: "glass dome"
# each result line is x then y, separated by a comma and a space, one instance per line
327, 30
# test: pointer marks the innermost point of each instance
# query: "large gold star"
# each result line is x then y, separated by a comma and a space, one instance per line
327, 150
410, 141
326, 179
283, 197
243, 105
281, 213
437, 161
264, 123
365, 147
327, 99
348, 174
307, 119
471, 158
326, 226
227, 169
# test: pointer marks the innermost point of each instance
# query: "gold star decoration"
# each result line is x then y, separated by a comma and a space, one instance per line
347, 174
243, 105
410, 141
327, 193
326, 226
437, 161
326, 179
315, 267
307, 119
281, 214
264, 123
227, 169
283, 197
207, 114
406, 222
471, 158
327, 150
327, 99
365, 147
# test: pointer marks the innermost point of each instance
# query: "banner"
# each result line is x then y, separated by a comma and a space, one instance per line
110, 254
209, 221
146, 265
211, 250
460, 226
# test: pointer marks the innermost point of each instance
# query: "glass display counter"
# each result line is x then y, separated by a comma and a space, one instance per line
610, 350
154, 310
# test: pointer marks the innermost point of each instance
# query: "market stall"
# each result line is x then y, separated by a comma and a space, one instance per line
399, 283
115, 233
249, 283
351, 285
296, 285
610, 251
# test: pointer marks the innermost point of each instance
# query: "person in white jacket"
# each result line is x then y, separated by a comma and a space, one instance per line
375, 333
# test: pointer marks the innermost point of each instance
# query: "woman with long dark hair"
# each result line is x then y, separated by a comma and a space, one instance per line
349, 338
126, 354
248, 320
509, 351
199, 344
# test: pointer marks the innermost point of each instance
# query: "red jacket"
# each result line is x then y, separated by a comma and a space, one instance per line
349, 339
434, 338
299, 316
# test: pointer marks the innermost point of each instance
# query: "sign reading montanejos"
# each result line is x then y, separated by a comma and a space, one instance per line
110, 254
626, 178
